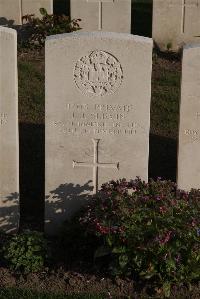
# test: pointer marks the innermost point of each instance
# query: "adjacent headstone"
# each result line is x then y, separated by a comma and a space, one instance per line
33, 7
189, 131
98, 89
9, 148
176, 22
103, 15
10, 12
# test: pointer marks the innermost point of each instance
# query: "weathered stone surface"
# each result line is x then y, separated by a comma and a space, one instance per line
9, 175
189, 131
33, 7
10, 12
98, 88
103, 15
176, 22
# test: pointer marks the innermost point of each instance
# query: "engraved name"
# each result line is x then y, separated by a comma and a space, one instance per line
99, 119
193, 134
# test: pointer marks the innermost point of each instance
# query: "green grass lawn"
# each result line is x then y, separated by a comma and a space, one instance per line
31, 91
165, 97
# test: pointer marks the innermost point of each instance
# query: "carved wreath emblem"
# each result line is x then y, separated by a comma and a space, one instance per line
98, 74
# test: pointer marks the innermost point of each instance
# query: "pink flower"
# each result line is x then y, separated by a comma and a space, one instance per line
163, 210
164, 239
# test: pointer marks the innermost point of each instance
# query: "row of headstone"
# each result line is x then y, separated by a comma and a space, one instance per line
94, 14
103, 15
98, 90
11, 11
175, 22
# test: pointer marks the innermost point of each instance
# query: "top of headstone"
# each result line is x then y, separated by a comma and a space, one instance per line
101, 34
8, 30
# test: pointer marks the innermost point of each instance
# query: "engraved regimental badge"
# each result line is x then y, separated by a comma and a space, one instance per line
98, 74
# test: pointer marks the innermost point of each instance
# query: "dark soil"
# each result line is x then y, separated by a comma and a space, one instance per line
67, 282
72, 282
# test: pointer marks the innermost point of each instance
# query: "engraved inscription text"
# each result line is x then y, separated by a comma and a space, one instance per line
99, 119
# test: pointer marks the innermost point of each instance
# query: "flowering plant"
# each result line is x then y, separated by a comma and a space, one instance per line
150, 230
36, 30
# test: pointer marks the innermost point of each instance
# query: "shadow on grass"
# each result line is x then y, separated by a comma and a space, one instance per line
162, 157
32, 175
169, 55
62, 7
141, 19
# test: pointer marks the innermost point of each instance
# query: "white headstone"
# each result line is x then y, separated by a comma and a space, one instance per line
98, 89
189, 131
9, 174
10, 11
103, 15
176, 22
33, 7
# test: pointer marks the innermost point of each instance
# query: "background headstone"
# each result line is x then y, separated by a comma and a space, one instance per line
176, 22
189, 131
10, 12
98, 89
103, 15
33, 7
9, 147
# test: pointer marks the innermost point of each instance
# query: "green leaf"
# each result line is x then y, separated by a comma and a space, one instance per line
102, 251
123, 260
120, 249
167, 289
109, 240
43, 11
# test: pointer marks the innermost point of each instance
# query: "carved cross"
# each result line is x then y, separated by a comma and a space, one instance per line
185, 5
100, 2
96, 165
